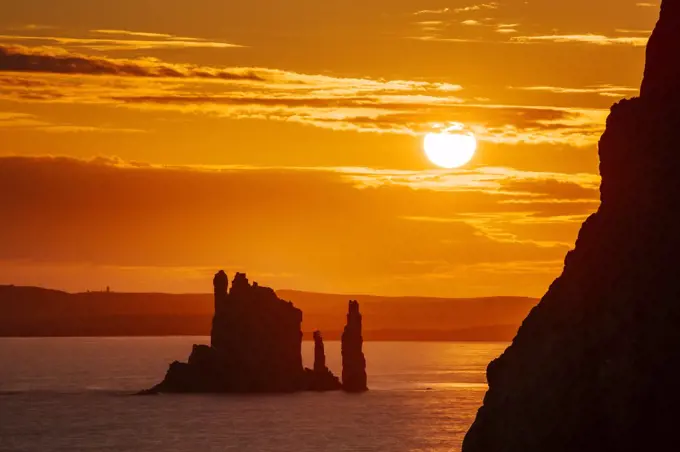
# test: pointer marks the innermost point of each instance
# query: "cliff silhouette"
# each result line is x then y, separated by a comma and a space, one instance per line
593, 367
255, 347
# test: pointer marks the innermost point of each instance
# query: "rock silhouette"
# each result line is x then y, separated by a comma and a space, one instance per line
319, 353
255, 347
662, 71
353, 361
593, 366
321, 378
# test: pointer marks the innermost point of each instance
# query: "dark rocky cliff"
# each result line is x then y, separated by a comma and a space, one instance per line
593, 366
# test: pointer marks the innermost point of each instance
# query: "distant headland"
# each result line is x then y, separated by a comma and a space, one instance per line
256, 347
38, 312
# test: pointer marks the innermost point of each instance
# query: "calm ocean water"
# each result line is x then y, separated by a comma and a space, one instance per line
72, 394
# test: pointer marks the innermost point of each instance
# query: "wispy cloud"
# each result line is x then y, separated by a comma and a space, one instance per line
434, 38
490, 230
431, 11
155, 41
26, 121
143, 34
15, 120
54, 128
24, 59
534, 186
463, 9
506, 28
430, 23
432, 27
594, 39
32, 27
468, 30
602, 90
337, 103
551, 267
635, 32
478, 7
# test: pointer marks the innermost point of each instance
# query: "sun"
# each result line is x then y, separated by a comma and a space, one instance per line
450, 148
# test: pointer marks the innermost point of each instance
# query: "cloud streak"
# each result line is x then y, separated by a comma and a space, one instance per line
140, 34
337, 103
26, 121
153, 41
478, 7
594, 39
431, 11
24, 59
601, 90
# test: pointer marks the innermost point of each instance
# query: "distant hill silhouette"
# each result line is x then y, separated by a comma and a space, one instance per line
31, 311
594, 367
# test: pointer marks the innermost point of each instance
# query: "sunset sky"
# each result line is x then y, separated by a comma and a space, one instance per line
145, 144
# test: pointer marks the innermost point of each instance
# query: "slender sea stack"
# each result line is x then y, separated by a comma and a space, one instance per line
594, 366
321, 378
353, 360
319, 353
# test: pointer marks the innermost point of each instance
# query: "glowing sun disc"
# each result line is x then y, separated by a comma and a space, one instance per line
450, 149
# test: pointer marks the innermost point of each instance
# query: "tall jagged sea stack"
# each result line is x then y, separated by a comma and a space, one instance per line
593, 367
255, 347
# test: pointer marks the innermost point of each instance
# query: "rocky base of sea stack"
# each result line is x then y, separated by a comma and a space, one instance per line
204, 375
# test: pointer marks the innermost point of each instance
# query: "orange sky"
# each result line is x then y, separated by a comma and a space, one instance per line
145, 144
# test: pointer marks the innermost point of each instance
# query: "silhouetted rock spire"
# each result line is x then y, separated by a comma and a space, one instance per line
321, 378
319, 353
592, 368
220, 286
353, 360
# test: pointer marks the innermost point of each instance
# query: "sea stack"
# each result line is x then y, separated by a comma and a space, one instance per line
320, 378
319, 353
353, 360
593, 367
255, 346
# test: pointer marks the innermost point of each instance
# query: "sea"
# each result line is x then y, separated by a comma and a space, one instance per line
75, 394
